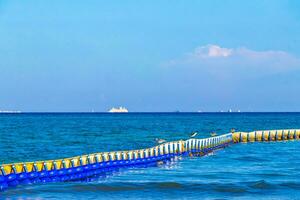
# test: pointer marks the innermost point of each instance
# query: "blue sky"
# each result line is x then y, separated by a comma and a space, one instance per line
150, 55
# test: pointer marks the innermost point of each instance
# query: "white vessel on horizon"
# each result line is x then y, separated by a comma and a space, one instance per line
118, 110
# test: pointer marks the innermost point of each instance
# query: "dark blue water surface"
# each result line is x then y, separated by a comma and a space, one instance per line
241, 171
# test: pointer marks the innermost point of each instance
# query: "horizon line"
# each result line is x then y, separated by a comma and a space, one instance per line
145, 112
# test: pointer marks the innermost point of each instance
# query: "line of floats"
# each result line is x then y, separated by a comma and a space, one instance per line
89, 167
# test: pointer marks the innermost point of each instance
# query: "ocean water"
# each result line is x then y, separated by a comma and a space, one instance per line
241, 171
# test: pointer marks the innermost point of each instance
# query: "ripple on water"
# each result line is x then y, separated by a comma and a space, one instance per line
261, 185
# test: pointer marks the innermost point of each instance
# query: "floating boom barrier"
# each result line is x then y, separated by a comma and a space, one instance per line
87, 167
260, 136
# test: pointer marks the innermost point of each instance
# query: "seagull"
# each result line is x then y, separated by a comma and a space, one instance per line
213, 134
193, 134
160, 141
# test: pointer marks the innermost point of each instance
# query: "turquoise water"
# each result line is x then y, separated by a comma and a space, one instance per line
241, 171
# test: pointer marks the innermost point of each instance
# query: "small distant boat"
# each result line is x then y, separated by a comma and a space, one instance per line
118, 110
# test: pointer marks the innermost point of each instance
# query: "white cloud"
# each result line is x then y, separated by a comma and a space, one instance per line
222, 61
211, 51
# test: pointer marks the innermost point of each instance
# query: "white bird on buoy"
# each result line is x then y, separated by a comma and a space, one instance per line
160, 141
194, 134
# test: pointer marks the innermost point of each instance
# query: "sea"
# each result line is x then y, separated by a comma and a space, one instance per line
269, 170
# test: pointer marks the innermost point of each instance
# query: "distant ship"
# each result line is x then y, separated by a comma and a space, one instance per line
118, 110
